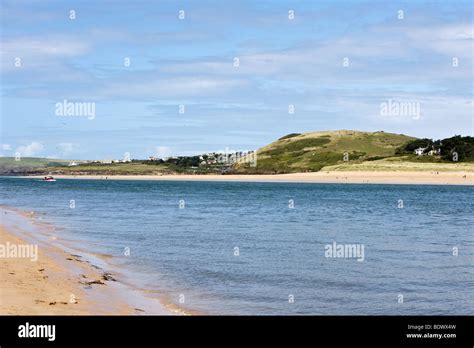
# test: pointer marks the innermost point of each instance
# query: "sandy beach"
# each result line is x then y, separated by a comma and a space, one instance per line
53, 281
342, 177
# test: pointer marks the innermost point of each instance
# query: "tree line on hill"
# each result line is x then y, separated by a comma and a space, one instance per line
181, 161
452, 149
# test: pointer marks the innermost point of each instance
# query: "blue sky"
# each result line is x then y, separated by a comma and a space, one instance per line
190, 62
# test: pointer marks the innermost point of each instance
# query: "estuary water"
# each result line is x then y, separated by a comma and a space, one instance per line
271, 248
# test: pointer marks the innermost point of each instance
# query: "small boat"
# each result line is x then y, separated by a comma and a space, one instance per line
49, 178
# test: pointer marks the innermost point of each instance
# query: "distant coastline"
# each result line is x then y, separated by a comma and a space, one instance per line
333, 177
313, 152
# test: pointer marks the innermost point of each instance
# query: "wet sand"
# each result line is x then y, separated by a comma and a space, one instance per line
56, 282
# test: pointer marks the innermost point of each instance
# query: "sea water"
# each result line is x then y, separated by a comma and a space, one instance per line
271, 248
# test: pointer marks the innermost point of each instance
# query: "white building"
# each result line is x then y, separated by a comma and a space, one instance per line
420, 151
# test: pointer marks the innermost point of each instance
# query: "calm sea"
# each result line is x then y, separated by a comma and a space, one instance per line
261, 248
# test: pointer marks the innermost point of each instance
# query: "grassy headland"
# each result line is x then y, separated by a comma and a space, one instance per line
314, 151
342, 150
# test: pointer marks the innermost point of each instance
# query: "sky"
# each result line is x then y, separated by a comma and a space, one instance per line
183, 77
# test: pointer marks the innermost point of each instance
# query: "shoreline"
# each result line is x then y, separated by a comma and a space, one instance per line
334, 177
60, 280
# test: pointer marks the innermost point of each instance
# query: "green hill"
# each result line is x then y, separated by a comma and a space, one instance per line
8, 165
313, 151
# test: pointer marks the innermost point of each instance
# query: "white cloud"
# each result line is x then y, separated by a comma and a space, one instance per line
6, 147
58, 46
371, 54
193, 86
30, 150
67, 148
163, 151
449, 40
38, 52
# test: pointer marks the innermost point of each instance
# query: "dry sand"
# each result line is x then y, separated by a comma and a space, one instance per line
43, 286
345, 177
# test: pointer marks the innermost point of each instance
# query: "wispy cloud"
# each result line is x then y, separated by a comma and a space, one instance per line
67, 148
39, 51
33, 149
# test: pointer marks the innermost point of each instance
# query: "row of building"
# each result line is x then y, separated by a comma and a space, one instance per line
421, 151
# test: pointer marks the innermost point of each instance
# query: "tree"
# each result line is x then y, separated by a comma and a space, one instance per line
415, 144
463, 146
